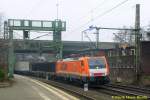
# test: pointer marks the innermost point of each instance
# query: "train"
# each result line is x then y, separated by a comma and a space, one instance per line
92, 70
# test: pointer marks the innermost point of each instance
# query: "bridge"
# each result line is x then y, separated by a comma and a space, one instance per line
46, 46
37, 48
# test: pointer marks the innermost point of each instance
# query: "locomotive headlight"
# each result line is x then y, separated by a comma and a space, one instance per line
103, 74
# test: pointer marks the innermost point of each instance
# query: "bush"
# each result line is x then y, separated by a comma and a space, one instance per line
2, 75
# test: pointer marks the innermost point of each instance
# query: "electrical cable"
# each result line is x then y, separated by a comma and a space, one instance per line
108, 11
40, 36
35, 6
18, 35
91, 43
99, 5
102, 14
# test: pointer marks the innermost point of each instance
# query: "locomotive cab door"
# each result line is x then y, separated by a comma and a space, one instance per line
83, 71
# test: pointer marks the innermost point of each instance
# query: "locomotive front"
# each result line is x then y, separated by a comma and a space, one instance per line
98, 70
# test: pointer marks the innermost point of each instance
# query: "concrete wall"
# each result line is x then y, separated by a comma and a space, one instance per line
122, 75
22, 66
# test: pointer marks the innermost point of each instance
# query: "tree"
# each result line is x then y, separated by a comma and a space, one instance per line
145, 33
124, 36
148, 32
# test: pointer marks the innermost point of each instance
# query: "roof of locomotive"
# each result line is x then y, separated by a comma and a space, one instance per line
80, 58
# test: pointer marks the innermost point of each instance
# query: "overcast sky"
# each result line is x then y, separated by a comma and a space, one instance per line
79, 14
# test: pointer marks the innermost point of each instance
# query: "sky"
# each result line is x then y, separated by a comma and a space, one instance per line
78, 14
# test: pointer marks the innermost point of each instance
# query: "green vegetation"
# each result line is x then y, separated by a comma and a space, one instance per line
2, 75
147, 77
145, 80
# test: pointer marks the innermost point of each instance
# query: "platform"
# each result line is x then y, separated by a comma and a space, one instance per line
25, 88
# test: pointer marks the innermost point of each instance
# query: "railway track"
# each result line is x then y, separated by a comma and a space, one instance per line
105, 92
123, 90
132, 88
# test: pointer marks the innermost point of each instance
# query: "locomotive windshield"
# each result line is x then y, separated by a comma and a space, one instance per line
96, 63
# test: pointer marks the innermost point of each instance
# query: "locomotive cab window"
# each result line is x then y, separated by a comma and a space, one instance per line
97, 63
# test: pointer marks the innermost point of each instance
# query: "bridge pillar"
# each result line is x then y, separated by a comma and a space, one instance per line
11, 55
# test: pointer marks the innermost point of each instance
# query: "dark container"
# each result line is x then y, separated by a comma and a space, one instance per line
43, 66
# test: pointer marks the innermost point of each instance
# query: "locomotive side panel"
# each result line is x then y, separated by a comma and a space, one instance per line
68, 69
58, 68
85, 69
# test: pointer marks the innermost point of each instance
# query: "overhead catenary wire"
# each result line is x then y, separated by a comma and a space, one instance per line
38, 4
91, 43
92, 10
41, 36
18, 35
109, 10
102, 14
34, 7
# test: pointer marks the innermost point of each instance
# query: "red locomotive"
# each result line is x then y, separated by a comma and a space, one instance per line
84, 69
